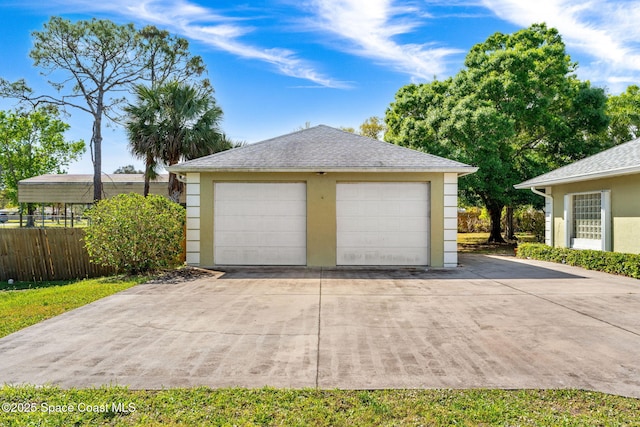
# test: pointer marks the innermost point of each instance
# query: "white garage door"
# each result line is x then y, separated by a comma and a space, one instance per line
260, 224
382, 223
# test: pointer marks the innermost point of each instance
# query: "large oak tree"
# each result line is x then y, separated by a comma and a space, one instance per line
516, 110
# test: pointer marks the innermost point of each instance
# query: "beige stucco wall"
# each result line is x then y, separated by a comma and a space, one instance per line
321, 209
625, 210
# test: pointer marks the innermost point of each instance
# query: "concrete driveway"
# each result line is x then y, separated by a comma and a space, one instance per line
495, 322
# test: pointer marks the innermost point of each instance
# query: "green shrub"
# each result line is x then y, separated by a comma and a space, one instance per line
608, 262
135, 234
528, 219
473, 220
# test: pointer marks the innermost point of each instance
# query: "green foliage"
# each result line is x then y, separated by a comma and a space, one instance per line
133, 234
174, 122
624, 114
608, 262
91, 62
127, 169
167, 58
33, 144
373, 127
528, 219
473, 220
19, 309
516, 111
310, 407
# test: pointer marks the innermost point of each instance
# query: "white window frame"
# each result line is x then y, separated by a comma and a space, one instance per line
604, 244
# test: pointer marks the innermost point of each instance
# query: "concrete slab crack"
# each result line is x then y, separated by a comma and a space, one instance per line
319, 320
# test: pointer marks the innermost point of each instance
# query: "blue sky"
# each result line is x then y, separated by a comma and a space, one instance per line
278, 64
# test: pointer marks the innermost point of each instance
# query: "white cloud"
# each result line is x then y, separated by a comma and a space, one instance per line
208, 27
372, 27
606, 30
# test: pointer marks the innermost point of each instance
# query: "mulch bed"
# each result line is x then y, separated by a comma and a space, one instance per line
185, 274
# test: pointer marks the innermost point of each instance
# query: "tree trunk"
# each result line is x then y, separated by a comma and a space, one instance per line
510, 230
147, 174
31, 210
96, 139
495, 214
175, 188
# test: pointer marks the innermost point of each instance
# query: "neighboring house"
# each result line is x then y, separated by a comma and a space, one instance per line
594, 203
321, 197
78, 189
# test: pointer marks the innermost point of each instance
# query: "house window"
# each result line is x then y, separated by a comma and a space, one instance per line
587, 219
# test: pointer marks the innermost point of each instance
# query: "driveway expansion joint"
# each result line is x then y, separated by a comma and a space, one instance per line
319, 323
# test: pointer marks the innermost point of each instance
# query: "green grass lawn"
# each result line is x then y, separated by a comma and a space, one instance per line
34, 302
116, 406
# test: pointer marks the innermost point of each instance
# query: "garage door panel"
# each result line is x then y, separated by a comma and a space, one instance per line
412, 224
263, 239
267, 208
256, 223
267, 256
380, 240
382, 223
362, 224
386, 256
390, 209
260, 224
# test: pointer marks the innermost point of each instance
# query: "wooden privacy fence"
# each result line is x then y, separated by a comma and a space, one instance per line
37, 254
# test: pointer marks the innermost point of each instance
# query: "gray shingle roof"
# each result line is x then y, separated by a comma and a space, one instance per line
322, 148
622, 159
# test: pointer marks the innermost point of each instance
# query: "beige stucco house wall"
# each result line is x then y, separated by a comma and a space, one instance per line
323, 159
624, 216
610, 181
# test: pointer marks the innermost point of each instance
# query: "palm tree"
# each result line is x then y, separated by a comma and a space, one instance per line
173, 122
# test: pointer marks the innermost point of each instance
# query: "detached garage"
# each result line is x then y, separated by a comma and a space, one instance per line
322, 197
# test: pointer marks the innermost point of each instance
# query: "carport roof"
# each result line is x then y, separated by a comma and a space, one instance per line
322, 149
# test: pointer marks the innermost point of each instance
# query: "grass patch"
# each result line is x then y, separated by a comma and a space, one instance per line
17, 286
477, 243
22, 308
117, 406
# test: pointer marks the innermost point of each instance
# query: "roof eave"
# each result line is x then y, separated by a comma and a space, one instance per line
461, 171
577, 178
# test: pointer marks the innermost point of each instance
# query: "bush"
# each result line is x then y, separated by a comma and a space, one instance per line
608, 262
135, 234
473, 220
528, 219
